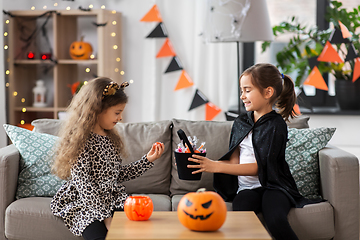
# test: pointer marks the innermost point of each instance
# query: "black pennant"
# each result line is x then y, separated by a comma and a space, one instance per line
174, 65
198, 100
313, 61
158, 32
351, 53
337, 37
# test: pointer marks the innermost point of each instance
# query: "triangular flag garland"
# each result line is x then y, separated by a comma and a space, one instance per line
344, 30
211, 111
313, 62
337, 37
351, 54
356, 72
174, 65
198, 100
184, 81
152, 16
329, 54
158, 32
166, 50
315, 79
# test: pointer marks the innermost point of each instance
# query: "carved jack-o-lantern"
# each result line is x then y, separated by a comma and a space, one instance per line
80, 50
138, 208
202, 210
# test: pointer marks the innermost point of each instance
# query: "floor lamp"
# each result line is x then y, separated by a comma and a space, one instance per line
237, 21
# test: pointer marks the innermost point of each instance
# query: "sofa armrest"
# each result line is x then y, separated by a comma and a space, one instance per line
339, 176
9, 171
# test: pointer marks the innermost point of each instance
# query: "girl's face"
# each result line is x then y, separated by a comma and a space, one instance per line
108, 118
253, 98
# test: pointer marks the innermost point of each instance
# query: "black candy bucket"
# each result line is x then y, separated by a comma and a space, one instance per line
182, 161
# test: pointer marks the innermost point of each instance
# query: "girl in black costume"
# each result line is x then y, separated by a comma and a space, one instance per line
254, 174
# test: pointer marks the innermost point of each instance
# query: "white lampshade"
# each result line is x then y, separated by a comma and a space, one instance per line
237, 21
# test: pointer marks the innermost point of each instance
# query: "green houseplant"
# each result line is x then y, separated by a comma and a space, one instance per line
307, 42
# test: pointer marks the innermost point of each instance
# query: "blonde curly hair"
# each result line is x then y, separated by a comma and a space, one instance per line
82, 114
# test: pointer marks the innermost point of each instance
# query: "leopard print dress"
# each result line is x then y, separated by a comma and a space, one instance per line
95, 188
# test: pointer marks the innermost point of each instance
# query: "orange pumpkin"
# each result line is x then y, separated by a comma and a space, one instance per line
138, 208
202, 210
80, 50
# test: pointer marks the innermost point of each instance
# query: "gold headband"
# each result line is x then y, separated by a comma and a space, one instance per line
112, 87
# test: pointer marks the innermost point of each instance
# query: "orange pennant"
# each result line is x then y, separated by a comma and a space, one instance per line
152, 16
315, 79
345, 32
356, 71
166, 50
329, 54
297, 109
184, 81
211, 111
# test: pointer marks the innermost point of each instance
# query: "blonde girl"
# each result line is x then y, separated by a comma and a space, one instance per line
254, 174
89, 158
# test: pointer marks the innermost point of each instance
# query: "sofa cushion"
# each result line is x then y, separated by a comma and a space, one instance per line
138, 138
215, 134
161, 202
31, 218
36, 150
302, 156
313, 221
299, 122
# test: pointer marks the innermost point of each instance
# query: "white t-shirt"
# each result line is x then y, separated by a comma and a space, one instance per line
247, 156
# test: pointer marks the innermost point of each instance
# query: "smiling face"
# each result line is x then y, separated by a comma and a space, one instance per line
253, 98
108, 118
202, 211
80, 50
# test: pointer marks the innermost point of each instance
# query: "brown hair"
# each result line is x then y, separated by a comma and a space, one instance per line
81, 118
265, 75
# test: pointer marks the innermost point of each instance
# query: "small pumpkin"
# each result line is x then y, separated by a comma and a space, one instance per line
202, 210
138, 208
80, 50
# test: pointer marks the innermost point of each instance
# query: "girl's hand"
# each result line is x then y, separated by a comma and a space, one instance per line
205, 164
155, 152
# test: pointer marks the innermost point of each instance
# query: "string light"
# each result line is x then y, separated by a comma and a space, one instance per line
122, 72
113, 22
91, 6
118, 59
131, 81
22, 122
5, 34
15, 94
32, 8
23, 100
92, 56
103, 7
68, 8
116, 70
44, 7
113, 11
115, 47
55, 4
7, 84
6, 47
113, 34
7, 21
87, 70
23, 110
7, 72
85, 82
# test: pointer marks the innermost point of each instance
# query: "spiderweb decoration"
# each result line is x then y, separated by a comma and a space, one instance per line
224, 20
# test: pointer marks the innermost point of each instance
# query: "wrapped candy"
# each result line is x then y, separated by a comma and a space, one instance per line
183, 148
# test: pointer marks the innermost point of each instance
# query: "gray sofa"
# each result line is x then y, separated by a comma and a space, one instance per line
337, 218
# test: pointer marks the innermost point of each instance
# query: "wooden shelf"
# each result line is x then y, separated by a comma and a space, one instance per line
63, 27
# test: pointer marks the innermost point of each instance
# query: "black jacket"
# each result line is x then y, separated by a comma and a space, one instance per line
269, 142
